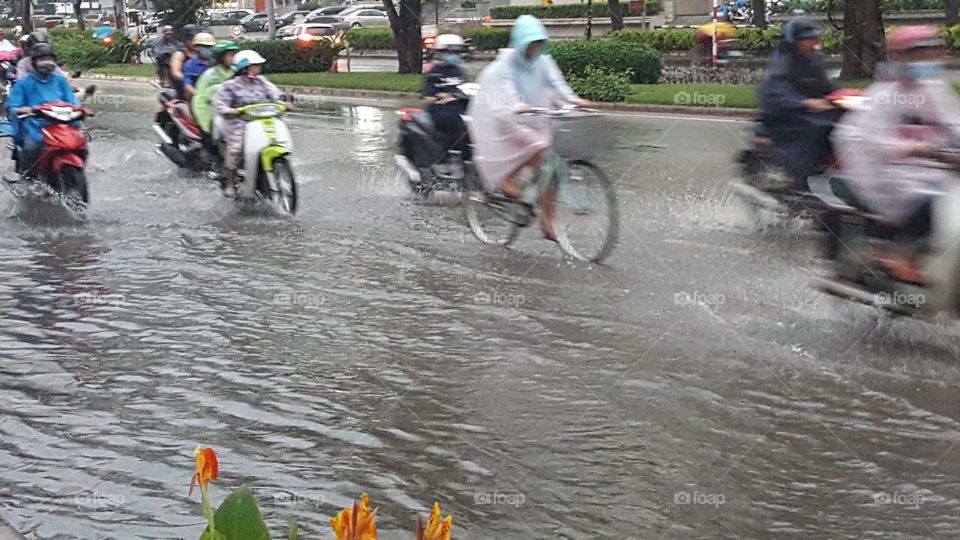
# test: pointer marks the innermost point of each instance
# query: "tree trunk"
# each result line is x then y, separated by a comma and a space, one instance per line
950, 10
863, 38
616, 15
77, 13
758, 15
404, 18
27, 17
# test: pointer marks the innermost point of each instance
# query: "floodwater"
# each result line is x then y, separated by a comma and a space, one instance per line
694, 386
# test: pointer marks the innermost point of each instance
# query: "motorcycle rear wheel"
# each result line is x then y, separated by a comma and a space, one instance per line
72, 185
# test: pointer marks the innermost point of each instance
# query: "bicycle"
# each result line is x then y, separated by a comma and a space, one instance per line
583, 193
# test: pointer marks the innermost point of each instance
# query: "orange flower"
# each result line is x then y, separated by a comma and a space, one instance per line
207, 468
436, 529
356, 523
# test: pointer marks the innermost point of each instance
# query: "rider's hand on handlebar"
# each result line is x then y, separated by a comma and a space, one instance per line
231, 112
87, 111
25, 111
818, 105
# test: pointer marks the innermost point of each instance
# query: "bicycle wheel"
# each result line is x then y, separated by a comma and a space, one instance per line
486, 223
587, 219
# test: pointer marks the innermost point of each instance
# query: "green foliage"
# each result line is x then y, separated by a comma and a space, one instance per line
489, 39
370, 38
639, 60
667, 39
756, 40
238, 518
78, 50
181, 12
887, 6
952, 36
565, 11
601, 84
294, 56
468, 4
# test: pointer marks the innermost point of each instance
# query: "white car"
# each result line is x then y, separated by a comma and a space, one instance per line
312, 32
366, 18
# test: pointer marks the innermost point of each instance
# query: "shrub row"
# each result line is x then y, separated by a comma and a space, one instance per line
636, 59
749, 39
600, 84
489, 39
370, 38
293, 56
887, 6
567, 11
78, 50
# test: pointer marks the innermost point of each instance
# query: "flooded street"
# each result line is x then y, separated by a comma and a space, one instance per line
694, 386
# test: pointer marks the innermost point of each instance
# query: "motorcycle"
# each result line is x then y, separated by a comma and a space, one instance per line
8, 74
181, 139
858, 275
763, 186
59, 170
424, 160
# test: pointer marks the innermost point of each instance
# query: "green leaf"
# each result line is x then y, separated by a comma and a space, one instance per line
211, 535
238, 518
293, 529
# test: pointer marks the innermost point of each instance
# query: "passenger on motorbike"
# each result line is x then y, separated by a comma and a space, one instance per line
42, 85
162, 50
5, 44
209, 82
890, 150
25, 64
445, 102
506, 144
202, 43
247, 87
793, 108
180, 58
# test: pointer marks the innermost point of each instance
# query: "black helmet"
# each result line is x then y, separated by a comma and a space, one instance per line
188, 31
42, 49
33, 38
800, 28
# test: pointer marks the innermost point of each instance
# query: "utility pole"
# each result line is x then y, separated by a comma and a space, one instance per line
436, 17
27, 16
271, 23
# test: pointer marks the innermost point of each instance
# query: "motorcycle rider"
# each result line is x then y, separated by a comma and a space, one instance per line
195, 66
42, 85
25, 64
209, 82
5, 44
793, 108
441, 92
890, 149
247, 87
163, 50
505, 144
179, 58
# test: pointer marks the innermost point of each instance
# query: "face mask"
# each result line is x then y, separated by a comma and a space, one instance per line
923, 70
45, 67
451, 59
253, 77
204, 53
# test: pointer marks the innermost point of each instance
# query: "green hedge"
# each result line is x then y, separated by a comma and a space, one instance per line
576, 57
601, 85
292, 56
370, 38
887, 6
749, 39
489, 39
566, 11
78, 50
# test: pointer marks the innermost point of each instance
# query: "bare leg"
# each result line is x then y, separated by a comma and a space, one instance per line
548, 201
509, 185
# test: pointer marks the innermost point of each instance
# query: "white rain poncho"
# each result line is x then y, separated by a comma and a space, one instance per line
502, 139
871, 144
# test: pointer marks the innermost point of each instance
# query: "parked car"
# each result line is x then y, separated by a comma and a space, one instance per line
225, 17
51, 21
366, 18
329, 10
313, 32
290, 18
335, 22
254, 23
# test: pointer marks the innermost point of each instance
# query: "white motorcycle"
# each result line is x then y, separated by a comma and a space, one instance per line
856, 273
267, 146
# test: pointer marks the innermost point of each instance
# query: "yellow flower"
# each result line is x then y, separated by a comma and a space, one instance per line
356, 523
436, 529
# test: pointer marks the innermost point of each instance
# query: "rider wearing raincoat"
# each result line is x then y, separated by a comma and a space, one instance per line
210, 81
522, 77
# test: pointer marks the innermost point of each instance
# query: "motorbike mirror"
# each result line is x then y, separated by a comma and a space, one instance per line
288, 98
89, 91
76, 74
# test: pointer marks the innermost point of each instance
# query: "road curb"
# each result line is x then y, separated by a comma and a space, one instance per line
714, 112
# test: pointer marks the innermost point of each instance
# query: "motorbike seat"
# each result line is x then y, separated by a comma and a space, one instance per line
423, 120
167, 95
181, 113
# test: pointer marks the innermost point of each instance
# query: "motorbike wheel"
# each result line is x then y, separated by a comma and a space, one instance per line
73, 187
285, 196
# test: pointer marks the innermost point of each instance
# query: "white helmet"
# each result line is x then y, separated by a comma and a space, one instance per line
245, 59
449, 42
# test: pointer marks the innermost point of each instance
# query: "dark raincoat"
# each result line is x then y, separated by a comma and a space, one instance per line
801, 138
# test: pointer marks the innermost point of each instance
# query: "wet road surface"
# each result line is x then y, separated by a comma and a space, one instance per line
695, 386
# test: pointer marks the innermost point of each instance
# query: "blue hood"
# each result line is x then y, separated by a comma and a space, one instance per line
526, 30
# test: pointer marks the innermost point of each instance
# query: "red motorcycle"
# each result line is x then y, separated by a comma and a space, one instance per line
60, 166
181, 139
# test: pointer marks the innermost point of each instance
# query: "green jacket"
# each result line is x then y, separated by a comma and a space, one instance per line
207, 85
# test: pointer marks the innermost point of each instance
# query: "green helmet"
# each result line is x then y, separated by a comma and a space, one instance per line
222, 47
